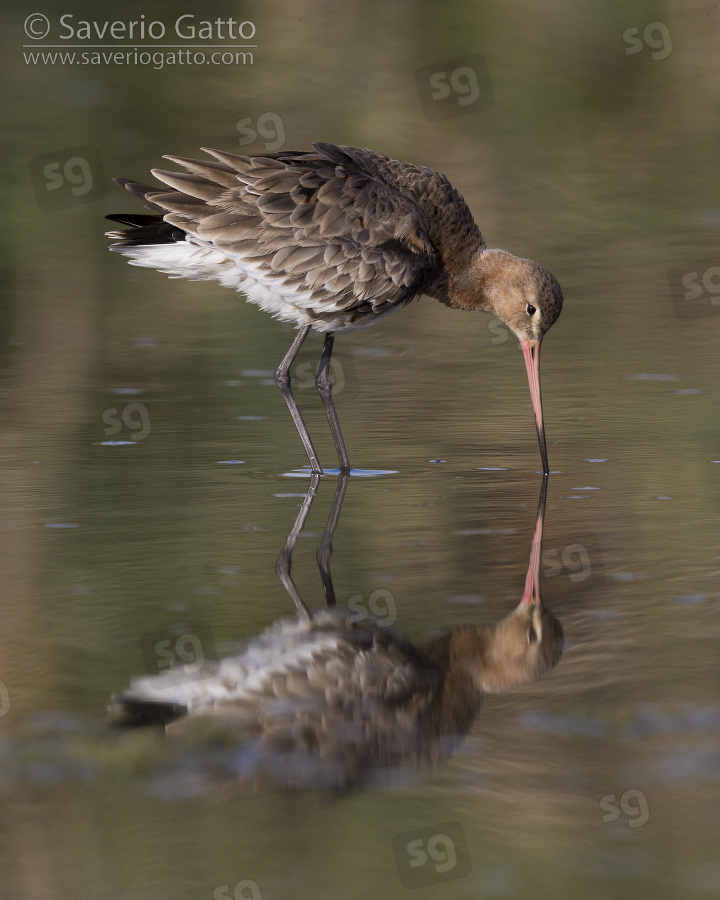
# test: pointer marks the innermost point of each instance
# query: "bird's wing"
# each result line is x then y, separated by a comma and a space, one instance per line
314, 224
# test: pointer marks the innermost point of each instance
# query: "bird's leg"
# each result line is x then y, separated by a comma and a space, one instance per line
283, 566
282, 380
324, 387
324, 552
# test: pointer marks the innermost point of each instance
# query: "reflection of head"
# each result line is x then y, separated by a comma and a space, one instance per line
520, 648
528, 642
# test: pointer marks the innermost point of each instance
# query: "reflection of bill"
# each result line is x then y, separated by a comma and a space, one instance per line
338, 699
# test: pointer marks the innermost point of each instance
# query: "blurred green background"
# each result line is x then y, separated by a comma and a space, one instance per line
596, 155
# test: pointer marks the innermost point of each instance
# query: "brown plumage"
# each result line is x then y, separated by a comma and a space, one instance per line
332, 240
341, 700
332, 699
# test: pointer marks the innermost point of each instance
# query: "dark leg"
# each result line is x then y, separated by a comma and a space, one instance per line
324, 553
324, 387
282, 380
283, 566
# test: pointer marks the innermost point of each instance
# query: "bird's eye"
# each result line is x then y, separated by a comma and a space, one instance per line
532, 635
530, 310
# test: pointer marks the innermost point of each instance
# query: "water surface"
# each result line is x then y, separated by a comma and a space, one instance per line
145, 454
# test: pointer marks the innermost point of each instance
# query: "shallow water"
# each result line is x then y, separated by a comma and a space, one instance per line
147, 455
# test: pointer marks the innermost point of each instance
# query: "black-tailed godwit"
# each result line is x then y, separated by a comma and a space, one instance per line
332, 240
332, 698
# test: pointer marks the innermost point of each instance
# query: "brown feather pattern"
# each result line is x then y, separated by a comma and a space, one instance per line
332, 229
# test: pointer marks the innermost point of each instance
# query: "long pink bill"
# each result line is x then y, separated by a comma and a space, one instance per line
531, 594
531, 352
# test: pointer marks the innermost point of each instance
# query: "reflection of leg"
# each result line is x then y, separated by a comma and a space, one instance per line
283, 566
324, 553
324, 387
282, 380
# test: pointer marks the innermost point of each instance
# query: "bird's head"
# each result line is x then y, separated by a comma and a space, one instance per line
529, 300
521, 648
529, 641
523, 294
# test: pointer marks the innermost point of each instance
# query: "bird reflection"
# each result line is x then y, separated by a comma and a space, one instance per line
333, 699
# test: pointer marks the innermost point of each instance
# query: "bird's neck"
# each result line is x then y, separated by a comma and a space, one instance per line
460, 695
461, 650
475, 283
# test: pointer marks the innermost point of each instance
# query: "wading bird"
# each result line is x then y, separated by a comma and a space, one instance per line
332, 240
336, 698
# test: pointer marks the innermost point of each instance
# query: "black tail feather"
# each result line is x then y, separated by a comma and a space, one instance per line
137, 221
131, 713
143, 230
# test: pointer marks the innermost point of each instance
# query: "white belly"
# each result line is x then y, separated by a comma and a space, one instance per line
196, 260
